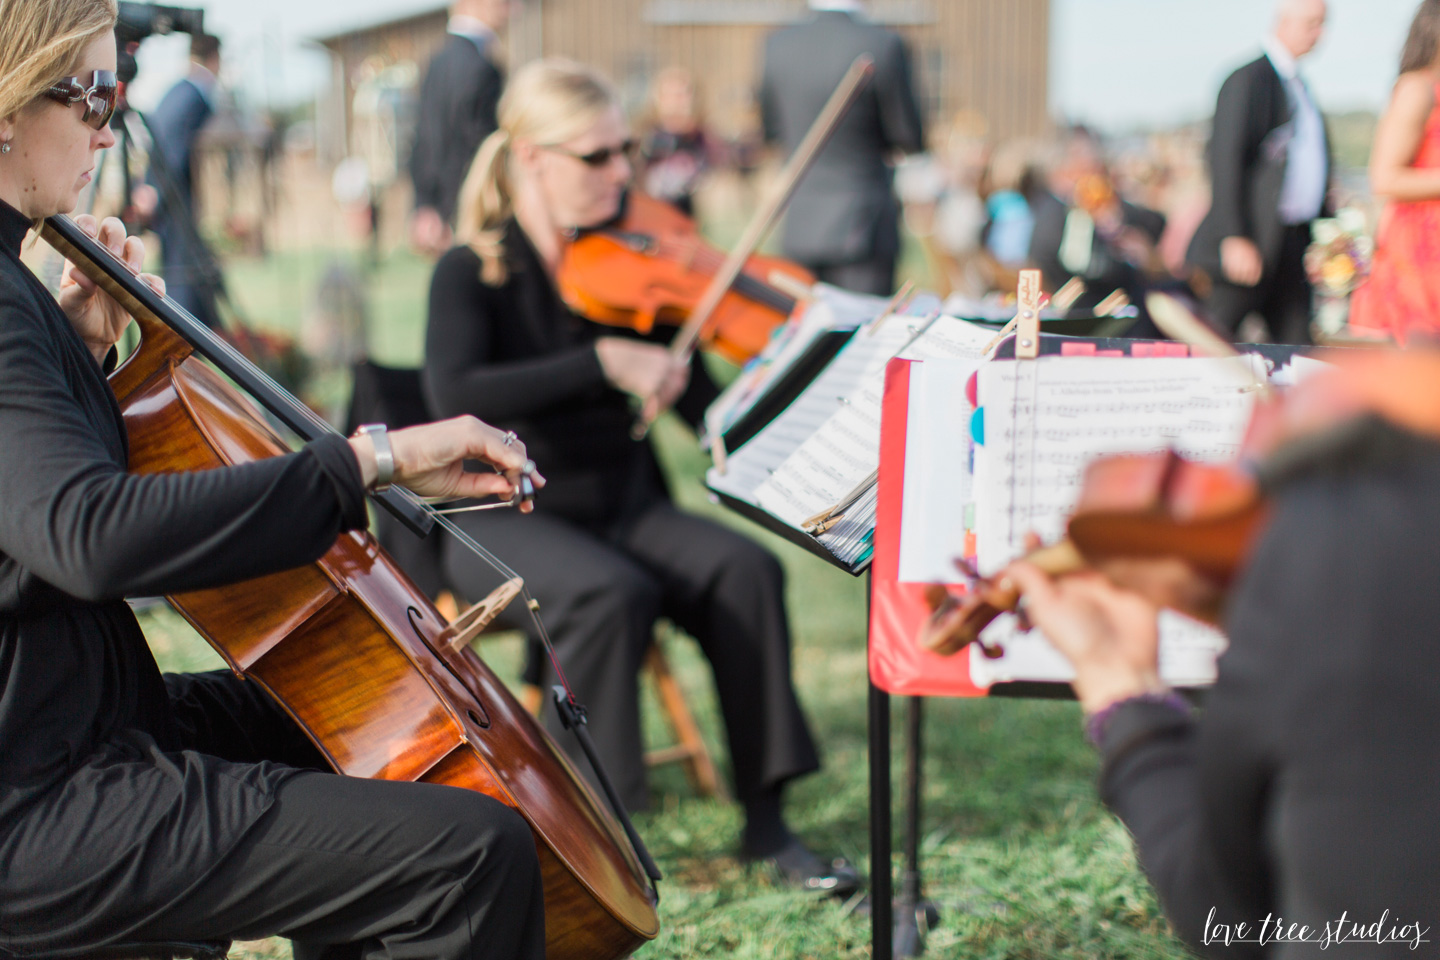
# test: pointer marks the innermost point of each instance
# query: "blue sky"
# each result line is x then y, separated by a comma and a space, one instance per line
1115, 63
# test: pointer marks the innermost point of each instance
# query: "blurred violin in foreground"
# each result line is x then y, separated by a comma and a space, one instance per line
651, 266
1180, 532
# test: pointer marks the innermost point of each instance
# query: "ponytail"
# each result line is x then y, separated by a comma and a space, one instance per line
547, 102
485, 206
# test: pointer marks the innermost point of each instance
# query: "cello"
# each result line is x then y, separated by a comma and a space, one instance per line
350, 648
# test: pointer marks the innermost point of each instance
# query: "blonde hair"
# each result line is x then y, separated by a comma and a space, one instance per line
546, 102
41, 41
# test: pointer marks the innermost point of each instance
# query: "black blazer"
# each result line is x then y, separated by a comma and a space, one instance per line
457, 112
1247, 158
844, 210
1108, 269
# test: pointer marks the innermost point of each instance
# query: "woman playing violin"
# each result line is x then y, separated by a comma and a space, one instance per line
141, 808
1307, 790
606, 553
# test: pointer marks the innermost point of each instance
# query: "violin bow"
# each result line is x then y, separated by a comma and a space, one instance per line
820, 132
1178, 323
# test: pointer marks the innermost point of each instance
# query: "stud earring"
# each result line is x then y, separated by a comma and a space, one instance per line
5, 147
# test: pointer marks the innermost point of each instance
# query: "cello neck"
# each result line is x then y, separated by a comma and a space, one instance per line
101, 266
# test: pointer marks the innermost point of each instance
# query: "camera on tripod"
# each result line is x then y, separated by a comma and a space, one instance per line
140, 20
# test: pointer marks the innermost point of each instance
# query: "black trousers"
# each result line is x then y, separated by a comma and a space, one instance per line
1282, 297
351, 868
600, 592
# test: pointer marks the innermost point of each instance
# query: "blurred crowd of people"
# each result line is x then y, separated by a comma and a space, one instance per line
1117, 217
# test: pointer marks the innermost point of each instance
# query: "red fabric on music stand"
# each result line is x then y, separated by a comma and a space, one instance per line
898, 664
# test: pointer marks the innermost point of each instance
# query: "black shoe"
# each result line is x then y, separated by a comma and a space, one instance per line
797, 867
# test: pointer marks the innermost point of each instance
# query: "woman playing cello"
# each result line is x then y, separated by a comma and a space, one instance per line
607, 552
142, 808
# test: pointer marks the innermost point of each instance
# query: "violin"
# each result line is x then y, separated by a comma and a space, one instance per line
651, 266
354, 652
1182, 531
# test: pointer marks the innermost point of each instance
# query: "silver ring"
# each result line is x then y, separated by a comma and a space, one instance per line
509, 438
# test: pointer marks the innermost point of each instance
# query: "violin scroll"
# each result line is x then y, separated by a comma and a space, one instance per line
956, 621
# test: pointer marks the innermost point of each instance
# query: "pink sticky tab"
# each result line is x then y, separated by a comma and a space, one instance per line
972, 389
1109, 353
1145, 349
1074, 349
1175, 349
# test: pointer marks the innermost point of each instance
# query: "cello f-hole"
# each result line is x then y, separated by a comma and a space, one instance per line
478, 714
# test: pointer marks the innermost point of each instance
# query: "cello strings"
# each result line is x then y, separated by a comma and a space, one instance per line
531, 604
214, 344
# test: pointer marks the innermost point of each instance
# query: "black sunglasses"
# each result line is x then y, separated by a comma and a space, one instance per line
99, 97
599, 158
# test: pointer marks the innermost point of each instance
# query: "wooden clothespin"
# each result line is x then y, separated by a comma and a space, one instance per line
1027, 316
1113, 304
718, 456
1064, 298
899, 302
833, 514
1009, 327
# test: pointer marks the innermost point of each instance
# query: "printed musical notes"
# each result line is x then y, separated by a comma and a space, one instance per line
1041, 431
844, 450
1044, 421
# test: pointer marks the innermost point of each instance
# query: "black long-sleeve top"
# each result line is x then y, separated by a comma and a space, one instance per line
88, 746
515, 356
1309, 788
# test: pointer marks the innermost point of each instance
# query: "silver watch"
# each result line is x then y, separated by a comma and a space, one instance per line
384, 455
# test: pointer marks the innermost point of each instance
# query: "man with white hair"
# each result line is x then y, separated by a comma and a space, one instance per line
1270, 169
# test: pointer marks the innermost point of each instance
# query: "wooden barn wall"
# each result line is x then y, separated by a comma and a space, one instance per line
989, 56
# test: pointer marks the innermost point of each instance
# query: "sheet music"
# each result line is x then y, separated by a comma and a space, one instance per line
1086, 407
853, 538
845, 449
1188, 651
750, 466
1081, 408
832, 309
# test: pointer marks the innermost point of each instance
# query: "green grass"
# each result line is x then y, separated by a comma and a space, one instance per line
1020, 856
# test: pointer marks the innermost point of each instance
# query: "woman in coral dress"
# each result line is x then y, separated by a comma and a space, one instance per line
1402, 297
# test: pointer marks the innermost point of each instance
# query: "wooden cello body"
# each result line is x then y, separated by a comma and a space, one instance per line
349, 647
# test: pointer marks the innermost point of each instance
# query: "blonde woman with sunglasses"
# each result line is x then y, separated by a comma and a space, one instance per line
138, 808
606, 552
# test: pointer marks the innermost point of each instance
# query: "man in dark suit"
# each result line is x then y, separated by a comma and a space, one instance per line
1270, 169
168, 197
1085, 230
844, 222
457, 112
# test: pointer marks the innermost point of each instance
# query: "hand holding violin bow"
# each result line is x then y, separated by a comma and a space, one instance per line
819, 134
429, 459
